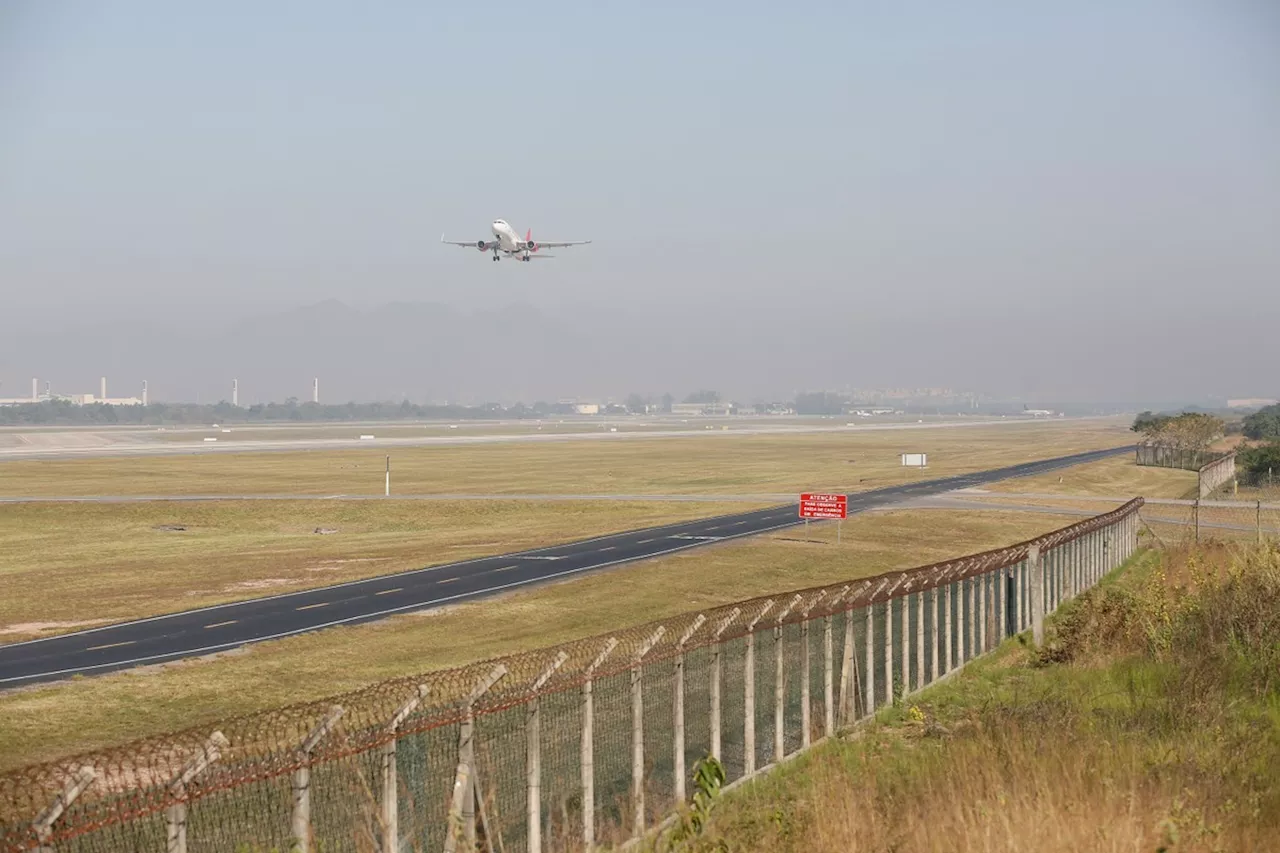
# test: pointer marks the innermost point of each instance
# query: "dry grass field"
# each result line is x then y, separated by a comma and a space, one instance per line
68, 566
718, 463
1119, 476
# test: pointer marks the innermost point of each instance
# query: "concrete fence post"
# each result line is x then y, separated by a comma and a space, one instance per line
920, 675
849, 662
301, 819
1037, 581
947, 628
176, 814
971, 618
869, 689
780, 683
462, 807
806, 664
828, 667
749, 694
962, 605
588, 748
637, 729
1075, 574
1087, 578
716, 665
1071, 560
904, 605
42, 826
934, 633
1020, 575
533, 756
999, 590
1051, 579
984, 612
888, 643
677, 706
390, 776
869, 652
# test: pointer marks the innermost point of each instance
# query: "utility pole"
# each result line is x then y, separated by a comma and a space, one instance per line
388, 491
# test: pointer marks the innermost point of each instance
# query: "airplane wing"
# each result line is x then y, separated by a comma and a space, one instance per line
558, 244
471, 244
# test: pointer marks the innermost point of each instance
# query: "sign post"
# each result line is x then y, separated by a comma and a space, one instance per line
824, 506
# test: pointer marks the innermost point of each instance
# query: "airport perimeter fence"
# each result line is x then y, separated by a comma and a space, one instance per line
1252, 519
1214, 469
1168, 456
586, 744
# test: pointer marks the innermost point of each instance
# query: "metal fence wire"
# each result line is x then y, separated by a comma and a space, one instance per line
584, 744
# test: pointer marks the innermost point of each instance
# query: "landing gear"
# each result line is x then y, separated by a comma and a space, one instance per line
495, 255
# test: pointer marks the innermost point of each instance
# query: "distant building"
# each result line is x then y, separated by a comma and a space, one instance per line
586, 408
1251, 403
73, 399
700, 409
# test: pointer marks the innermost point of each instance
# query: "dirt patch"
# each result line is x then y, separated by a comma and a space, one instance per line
261, 583
37, 628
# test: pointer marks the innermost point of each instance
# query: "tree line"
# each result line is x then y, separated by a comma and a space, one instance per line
1185, 431
1261, 461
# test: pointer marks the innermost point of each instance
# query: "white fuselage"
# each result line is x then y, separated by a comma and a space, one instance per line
509, 241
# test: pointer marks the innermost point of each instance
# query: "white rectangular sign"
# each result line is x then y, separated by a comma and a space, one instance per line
914, 460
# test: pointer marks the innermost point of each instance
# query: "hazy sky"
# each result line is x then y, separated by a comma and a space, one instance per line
1015, 193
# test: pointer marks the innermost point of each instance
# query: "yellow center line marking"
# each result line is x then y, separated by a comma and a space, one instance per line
221, 624
110, 646
312, 606
389, 591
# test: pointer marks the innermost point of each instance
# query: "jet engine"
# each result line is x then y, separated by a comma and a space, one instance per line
480, 245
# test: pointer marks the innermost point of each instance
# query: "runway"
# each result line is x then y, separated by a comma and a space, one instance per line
82, 444
227, 626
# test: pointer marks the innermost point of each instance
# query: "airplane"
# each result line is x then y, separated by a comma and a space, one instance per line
508, 242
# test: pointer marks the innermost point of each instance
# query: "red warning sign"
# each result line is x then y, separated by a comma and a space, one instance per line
824, 506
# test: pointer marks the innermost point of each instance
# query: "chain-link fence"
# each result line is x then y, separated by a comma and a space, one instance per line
570, 747
1246, 519
1168, 456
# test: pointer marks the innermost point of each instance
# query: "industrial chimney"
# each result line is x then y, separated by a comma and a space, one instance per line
235, 392
144, 392
35, 389
315, 390
102, 389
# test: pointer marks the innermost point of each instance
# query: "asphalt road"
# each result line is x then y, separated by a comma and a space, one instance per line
212, 629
